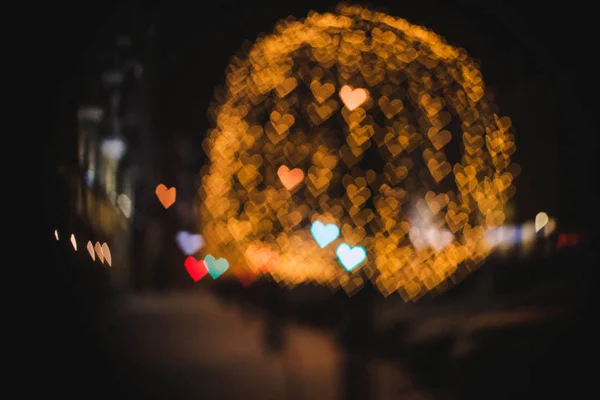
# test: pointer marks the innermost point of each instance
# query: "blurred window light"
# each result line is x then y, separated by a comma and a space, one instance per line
124, 204
56, 234
73, 241
113, 149
89, 177
90, 113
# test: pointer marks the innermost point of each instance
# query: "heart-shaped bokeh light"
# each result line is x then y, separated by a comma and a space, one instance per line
290, 178
350, 257
353, 98
106, 254
90, 249
98, 250
166, 196
73, 241
216, 267
189, 243
196, 269
324, 234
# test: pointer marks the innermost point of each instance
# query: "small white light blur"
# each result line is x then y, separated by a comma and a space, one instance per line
424, 234
540, 221
73, 241
56, 234
439, 239
527, 237
503, 237
417, 238
113, 149
124, 204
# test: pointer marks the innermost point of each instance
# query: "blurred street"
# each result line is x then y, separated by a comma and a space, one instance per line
204, 343
195, 346
186, 344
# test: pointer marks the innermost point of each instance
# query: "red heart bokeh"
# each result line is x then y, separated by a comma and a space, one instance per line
196, 269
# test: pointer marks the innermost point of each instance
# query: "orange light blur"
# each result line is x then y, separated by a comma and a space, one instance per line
318, 97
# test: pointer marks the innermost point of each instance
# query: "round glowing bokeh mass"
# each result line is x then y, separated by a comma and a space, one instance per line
352, 146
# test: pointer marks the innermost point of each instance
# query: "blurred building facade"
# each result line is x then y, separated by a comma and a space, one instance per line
107, 184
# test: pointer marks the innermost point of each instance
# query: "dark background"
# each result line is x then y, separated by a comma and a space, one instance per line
539, 58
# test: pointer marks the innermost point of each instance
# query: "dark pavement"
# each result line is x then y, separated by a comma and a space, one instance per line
200, 344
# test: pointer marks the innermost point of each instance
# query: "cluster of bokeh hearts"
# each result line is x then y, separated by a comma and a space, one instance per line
364, 127
355, 131
191, 243
350, 257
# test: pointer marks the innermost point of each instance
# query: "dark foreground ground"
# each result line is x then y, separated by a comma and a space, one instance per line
211, 343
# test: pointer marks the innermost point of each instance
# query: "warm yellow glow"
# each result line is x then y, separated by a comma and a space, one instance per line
56, 234
332, 97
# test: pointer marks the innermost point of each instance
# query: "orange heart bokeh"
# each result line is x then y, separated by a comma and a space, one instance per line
290, 179
166, 196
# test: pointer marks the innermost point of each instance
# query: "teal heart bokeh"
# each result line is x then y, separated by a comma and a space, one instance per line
350, 257
215, 267
324, 234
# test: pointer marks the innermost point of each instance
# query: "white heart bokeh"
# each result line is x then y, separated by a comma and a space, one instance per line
189, 243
